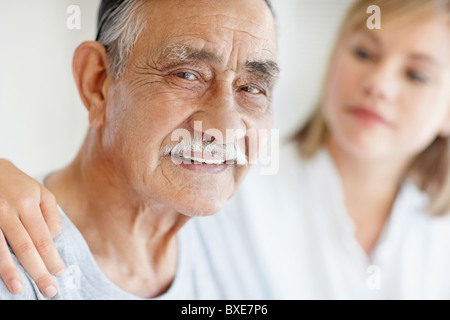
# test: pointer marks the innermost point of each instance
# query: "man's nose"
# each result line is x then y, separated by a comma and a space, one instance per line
380, 82
219, 119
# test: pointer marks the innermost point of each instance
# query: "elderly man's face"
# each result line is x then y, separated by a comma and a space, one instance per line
197, 60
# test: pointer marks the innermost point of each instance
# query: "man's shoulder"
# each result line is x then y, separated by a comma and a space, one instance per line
30, 290
70, 247
68, 285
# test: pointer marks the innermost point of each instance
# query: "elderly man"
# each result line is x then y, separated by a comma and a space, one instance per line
158, 68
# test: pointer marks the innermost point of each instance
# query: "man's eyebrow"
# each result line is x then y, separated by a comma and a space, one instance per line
183, 52
180, 52
267, 67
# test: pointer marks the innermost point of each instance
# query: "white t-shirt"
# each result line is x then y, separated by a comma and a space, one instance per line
84, 280
232, 274
295, 230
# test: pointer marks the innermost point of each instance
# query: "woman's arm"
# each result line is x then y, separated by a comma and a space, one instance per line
29, 219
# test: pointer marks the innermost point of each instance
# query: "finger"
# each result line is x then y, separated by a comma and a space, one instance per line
37, 229
50, 212
28, 256
8, 270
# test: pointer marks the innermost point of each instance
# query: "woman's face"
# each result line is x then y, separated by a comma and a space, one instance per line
388, 93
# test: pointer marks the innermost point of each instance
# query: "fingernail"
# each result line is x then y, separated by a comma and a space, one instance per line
16, 286
60, 272
50, 291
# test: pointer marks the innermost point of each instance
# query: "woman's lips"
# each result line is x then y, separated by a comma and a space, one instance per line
367, 116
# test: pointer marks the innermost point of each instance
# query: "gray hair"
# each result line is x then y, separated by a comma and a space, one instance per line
119, 27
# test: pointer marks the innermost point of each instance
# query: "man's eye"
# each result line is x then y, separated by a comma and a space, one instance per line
186, 76
251, 89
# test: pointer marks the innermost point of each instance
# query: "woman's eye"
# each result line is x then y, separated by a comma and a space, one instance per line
417, 77
362, 54
186, 76
251, 89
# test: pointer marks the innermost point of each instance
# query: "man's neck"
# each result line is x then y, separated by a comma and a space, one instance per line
133, 242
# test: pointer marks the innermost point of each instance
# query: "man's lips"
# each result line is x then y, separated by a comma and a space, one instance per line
200, 156
367, 115
200, 165
199, 159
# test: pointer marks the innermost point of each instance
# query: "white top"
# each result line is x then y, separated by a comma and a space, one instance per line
294, 229
84, 280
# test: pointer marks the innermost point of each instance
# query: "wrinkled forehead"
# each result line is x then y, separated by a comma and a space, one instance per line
232, 29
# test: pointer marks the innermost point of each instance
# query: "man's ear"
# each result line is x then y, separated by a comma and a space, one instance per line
90, 73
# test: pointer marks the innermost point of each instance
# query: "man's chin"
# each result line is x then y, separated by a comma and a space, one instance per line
201, 208
197, 194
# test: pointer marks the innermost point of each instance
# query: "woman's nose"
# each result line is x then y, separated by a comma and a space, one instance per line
380, 82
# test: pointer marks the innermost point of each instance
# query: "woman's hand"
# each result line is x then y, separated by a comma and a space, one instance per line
29, 219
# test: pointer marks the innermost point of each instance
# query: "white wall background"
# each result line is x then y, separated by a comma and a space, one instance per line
42, 120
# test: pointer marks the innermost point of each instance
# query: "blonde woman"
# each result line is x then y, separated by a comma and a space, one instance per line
359, 208
364, 187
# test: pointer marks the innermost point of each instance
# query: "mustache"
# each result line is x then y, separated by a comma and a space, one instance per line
201, 151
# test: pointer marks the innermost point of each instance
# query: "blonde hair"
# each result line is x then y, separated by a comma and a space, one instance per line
431, 168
